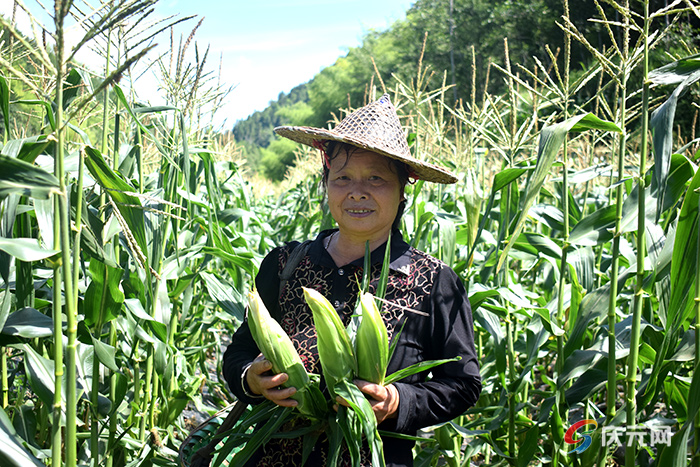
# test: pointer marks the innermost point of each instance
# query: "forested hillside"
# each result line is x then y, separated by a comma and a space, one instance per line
460, 41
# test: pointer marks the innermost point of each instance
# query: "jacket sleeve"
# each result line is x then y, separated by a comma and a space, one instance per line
448, 390
243, 349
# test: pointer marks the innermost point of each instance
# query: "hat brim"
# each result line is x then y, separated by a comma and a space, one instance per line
422, 170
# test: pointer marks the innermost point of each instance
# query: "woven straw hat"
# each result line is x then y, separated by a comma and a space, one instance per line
374, 127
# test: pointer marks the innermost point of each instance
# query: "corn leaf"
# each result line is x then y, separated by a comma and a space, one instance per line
20, 177
5, 106
5, 303
25, 249
684, 72
363, 410
683, 273
12, 450
275, 417
122, 192
676, 455
28, 323
103, 297
416, 368
551, 139
384, 276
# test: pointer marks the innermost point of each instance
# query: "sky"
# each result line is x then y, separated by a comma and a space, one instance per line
265, 46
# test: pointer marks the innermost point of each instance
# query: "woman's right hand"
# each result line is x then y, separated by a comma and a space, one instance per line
261, 381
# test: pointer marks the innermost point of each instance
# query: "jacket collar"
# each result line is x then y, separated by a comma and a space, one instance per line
400, 253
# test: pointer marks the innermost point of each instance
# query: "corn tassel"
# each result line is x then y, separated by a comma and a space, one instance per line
279, 350
334, 348
371, 342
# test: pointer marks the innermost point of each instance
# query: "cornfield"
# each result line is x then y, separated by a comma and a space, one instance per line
130, 235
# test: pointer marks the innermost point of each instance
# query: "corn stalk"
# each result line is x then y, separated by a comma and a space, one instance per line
63, 220
563, 267
632, 360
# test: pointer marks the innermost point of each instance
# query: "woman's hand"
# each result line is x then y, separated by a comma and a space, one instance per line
261, 381
383, 399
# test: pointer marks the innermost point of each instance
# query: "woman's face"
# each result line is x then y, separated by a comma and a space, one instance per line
364, 193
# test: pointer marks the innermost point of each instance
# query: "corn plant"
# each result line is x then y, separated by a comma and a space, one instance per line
126, 252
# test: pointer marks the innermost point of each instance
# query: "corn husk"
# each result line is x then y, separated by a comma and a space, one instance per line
278, 348
371, 342
335, 350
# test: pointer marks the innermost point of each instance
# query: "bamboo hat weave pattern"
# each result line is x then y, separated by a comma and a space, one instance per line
374, 127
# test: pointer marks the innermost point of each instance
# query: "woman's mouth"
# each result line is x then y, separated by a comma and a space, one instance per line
359, 212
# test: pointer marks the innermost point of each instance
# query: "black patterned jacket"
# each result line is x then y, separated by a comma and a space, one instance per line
422, 291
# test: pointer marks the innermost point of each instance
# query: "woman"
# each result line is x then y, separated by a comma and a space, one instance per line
366, 165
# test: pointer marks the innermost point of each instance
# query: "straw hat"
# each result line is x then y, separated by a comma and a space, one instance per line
374, 127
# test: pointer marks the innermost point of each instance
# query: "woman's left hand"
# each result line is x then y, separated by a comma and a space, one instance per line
384, 399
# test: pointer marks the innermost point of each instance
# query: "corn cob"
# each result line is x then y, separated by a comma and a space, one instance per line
334, 348
371, 342
278, 348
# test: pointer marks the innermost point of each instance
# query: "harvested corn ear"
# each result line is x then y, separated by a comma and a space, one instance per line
334, 347
279, 350
371, 342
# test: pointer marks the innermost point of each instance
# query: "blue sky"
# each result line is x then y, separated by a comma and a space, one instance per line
270, 46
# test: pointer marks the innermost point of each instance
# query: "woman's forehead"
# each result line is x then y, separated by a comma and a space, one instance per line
361, 158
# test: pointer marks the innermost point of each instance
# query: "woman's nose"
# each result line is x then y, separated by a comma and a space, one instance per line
357, 191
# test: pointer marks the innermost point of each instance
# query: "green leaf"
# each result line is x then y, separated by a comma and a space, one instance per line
25, 149
362, 408
122, 98
18, 176
40, 371
174, 405
5, 106
537, 244
548, 324
676, 72
121, 192
551, 139
47, 108
137, 311
576, 364
71, 87
676, 455
594, 229
12, 450
448, 234
273, 417
593, 307
477, 298
683, 272
417, 368
105, 354
5, 303
661, 122
501, 180
25, 249
226, 295
527, 450
683, 264
28, 323
103, 297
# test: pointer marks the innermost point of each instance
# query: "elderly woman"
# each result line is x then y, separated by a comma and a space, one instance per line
366, 165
